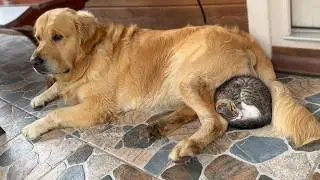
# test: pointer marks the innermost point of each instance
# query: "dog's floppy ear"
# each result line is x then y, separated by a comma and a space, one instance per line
88, 29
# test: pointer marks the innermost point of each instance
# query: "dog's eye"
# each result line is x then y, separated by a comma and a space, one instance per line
38, 38
57, 37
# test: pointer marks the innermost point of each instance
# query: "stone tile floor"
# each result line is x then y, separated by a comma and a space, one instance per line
114, 151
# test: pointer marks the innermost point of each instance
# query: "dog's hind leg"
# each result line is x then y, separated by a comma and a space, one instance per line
197, 96
166, 124
289, 118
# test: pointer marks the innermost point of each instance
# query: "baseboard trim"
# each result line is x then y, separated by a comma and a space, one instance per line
296, 60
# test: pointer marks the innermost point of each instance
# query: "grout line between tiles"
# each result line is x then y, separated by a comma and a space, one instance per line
10, 139
63, 160
52, 167
12, 104
316, 111
111, 154
12, 110
317, 162
307, 102
91, 144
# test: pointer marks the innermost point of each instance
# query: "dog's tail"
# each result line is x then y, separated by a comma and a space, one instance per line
289, 118
292, 119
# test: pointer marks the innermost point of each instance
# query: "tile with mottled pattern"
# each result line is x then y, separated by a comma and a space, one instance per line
22, 159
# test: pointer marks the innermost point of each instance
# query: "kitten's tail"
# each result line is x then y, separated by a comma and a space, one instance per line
288, 117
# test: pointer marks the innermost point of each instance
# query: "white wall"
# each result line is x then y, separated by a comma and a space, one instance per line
270, 23
259, 26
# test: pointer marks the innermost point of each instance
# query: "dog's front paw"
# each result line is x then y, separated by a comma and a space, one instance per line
185, 148
32, 131
37, 102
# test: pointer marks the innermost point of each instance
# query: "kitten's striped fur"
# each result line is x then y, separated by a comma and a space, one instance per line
245, 101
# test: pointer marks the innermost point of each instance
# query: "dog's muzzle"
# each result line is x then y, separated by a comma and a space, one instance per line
38, 64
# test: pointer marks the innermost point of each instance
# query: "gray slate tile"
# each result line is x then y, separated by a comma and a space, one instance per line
160, 160
258, 149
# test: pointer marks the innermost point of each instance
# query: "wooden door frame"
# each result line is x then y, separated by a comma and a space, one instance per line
261, 31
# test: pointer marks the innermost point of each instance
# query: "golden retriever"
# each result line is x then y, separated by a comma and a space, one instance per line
105, 69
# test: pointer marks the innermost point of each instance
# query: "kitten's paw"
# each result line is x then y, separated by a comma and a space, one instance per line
185, 148
38, 102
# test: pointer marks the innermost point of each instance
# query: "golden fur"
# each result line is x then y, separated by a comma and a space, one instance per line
107, 69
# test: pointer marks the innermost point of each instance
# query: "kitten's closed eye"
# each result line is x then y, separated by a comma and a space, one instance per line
227, 110
222, 108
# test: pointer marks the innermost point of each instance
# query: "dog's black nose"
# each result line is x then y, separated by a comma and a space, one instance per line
37, 61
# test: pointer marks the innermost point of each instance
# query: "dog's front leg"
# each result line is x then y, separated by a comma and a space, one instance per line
85, 114
45, 97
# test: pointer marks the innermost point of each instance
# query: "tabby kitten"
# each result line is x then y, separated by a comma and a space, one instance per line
245, 102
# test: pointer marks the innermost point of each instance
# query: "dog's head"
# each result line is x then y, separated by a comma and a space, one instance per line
63, 36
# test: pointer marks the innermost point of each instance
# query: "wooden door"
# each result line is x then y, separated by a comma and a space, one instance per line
166, 14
